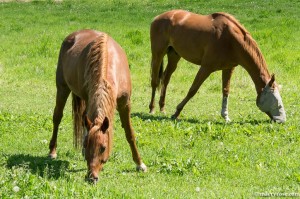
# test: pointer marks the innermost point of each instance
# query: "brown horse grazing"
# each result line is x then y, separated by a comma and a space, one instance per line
215, 42
94, 68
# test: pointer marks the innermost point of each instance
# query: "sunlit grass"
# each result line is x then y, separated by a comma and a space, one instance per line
198, 156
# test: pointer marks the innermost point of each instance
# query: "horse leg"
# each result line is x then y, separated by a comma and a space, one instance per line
159, 46
173, 59
201, 76
226, 76
61, 98
156, 67
124, 111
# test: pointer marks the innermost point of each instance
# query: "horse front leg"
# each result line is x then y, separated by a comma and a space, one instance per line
61, 98
226, 77
201, 76
124, 112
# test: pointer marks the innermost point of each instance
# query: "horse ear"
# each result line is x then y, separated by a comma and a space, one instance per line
272, 80
105, 125
88, 123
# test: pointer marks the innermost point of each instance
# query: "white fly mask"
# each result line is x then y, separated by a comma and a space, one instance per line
270, 102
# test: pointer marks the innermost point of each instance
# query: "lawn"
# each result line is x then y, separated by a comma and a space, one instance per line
197, 156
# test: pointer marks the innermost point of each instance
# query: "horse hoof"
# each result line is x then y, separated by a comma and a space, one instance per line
141, 167
227, 120
152, 111
163, 111
52, 156
174, 117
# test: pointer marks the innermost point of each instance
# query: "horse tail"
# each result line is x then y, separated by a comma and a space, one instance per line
78, 109
158, 79
160, 74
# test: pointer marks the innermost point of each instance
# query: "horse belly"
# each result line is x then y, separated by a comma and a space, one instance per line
189, 51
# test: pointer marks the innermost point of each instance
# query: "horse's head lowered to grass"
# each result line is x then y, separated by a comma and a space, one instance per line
270, 102
96, 146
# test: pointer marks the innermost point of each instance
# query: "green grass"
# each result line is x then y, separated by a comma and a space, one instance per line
199, 156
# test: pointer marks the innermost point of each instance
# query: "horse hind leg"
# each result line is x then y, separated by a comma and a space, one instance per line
61, 98
156, 73
159, 46
124, 112
173, 59
226, 77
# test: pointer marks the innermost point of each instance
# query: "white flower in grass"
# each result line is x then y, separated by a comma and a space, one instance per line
197, 189
16, 189
44, 141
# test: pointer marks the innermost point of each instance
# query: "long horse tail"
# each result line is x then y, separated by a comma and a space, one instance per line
78, 109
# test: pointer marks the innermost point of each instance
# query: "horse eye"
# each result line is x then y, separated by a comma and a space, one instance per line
102, 149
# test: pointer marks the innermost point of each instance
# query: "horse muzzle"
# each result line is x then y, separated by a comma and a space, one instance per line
92, 178
279, 119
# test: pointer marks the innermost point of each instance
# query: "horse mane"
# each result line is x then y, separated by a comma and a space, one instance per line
100, 96
248, 43
97, 60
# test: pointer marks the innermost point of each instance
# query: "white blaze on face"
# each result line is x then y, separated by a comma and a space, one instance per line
271, 103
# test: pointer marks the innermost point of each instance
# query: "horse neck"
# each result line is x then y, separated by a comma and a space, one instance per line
100, 96
101, 103
259, 76
255, 64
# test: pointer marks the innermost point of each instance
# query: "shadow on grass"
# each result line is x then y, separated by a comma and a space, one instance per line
42, 166
160, 117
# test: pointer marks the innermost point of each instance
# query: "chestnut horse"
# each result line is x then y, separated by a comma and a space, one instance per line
215, 42
94, 68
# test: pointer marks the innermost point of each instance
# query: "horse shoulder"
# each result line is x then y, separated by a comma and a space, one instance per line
118, 69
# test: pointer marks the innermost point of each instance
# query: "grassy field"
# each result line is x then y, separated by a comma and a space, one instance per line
198, 156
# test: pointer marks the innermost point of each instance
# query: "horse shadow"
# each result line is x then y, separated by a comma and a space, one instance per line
39, 165
160, 117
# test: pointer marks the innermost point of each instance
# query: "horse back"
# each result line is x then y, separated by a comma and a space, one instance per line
196, 37
74, 60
